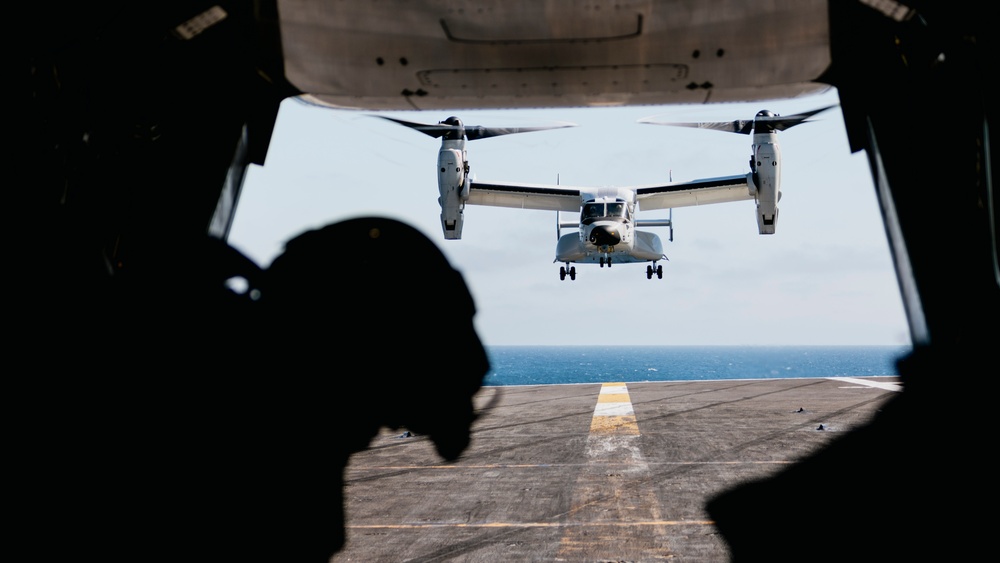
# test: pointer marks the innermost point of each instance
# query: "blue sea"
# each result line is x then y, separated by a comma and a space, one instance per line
537, 365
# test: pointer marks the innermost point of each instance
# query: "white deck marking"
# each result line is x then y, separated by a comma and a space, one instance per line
887, 385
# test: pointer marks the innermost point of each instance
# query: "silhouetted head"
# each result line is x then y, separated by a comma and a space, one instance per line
373, 307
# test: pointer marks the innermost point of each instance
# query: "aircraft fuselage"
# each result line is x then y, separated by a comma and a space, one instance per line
607, 234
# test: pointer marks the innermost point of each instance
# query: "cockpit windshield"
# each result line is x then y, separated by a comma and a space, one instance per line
591, 211
597, 210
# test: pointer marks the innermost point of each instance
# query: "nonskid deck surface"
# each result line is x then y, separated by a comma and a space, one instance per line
592, 472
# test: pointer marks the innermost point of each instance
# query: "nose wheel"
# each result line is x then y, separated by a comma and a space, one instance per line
650, 271
563, 272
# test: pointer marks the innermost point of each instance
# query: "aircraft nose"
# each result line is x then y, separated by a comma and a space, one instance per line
605, 235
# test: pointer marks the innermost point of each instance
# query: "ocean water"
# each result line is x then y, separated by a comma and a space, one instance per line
536, 365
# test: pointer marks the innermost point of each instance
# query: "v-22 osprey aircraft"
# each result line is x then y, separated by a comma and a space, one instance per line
607, 226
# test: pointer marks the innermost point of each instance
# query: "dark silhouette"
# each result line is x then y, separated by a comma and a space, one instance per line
225, 419
909, 485
154, 416
368, 327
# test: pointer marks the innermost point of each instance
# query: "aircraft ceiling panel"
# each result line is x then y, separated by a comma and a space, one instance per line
504, 23
446, 54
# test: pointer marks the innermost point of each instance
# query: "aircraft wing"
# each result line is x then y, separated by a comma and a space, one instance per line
696, 192
525, 196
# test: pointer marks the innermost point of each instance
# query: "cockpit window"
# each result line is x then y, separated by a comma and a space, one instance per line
591, 211
596, 210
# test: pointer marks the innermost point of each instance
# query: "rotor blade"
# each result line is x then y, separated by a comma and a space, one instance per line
740, 126
781, 122
473, 132
744, 126
436, 130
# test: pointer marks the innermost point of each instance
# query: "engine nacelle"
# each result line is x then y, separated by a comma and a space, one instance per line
453, 185
767, 179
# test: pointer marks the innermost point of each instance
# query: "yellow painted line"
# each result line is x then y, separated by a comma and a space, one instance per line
614, 398
622, 425
610, 505
613, 414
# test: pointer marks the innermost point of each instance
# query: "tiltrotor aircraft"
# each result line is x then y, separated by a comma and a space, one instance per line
607, 226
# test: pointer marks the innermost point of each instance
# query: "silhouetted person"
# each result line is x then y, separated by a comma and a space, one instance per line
878, 492
368, 326
222, 422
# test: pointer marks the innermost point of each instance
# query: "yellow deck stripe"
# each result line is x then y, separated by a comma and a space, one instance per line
625, 504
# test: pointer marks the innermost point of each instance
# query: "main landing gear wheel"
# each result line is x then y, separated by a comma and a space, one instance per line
563, 271
650, 271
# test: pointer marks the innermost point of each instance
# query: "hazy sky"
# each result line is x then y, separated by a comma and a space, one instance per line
825, 277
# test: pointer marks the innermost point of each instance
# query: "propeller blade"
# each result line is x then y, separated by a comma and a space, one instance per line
764, 119
454, 127
438, 130
473, 132
786, 122
740, 126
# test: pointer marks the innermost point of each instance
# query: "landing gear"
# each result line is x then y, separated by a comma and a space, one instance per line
563, 271
605, 261
650, 271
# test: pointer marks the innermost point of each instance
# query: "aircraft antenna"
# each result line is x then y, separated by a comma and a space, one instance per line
558, 216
